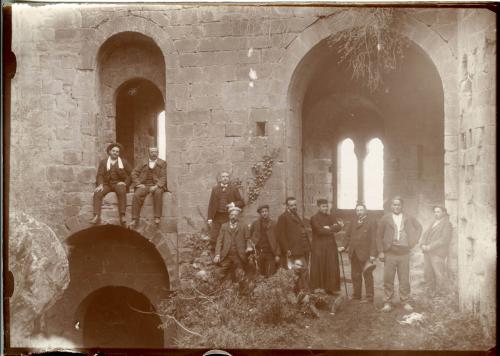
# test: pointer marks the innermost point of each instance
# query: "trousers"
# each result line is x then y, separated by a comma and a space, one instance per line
434, 273
400, 264
121, 194
140, 195
357, 277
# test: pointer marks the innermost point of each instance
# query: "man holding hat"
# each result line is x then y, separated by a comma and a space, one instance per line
113, 175
360, 241
230, 250
292, 234
264, 238
224, 195
149, 177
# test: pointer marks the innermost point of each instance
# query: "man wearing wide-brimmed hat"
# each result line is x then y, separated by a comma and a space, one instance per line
113, 175
360, 241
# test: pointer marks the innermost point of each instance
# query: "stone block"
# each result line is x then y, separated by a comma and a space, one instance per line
59, 173
72, 157
234, 130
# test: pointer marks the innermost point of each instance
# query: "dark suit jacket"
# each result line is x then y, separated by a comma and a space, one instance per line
271, 234
438, 238
103, 175
289, 231
387, 228
224, 240
233, 197
140, 172
361, 238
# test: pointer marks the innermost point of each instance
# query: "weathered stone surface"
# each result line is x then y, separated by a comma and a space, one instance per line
41, 273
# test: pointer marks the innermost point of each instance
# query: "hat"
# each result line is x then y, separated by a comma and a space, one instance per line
233, 208
115, 144
369, 266
321, 202
264, 206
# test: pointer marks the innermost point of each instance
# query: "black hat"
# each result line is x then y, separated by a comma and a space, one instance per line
115, 144
265, 206
321, 202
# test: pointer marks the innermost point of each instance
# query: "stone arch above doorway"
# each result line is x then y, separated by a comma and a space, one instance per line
424, 40
164, 241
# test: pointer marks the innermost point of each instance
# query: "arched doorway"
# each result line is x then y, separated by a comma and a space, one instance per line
119, 317
100, 258
138, 105
131, 77
405, 116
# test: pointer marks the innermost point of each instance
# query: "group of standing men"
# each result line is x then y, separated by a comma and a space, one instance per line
285, 243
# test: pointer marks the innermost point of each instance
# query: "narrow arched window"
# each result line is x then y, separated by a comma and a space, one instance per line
373, 180
161, 135
347, 175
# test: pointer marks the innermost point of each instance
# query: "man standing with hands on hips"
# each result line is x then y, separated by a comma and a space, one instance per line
397, 234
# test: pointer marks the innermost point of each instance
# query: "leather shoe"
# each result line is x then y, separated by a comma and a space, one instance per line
122, 221
96, 220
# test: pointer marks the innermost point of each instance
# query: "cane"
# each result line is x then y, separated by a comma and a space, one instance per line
343, 272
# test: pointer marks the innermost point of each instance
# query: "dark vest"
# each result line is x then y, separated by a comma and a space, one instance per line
113, 174
223, 201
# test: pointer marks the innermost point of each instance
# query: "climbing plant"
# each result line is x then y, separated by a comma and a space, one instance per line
372, 45
261, 171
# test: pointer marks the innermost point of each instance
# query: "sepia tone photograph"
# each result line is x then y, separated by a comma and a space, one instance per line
249, 177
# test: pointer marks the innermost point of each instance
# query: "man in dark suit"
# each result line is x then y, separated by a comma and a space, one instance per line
435, 242
149, 177
113, 175
224, 195
230, 251
397, 234
263, 237
360, 241
292, 235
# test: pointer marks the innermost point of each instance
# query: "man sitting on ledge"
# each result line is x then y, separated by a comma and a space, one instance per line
149, 177
113, 175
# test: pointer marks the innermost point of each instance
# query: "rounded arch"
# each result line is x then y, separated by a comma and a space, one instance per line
116, 316
138, 103
128, 23
164, 242
297, 68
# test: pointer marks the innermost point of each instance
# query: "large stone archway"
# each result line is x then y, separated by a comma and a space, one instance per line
164, 240
439, 50
109, 257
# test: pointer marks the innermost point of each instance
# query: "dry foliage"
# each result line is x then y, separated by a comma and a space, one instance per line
371, 46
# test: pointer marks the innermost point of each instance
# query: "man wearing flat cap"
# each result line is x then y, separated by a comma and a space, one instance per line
230, 250
224, 195
113, 175
149, 178
265, 242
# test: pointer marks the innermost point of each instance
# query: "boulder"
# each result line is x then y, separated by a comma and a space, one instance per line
40, 268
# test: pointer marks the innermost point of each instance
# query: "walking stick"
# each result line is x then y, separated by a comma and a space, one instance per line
343, 273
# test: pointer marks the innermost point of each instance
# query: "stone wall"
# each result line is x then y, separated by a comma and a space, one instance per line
225, 69
476, 156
